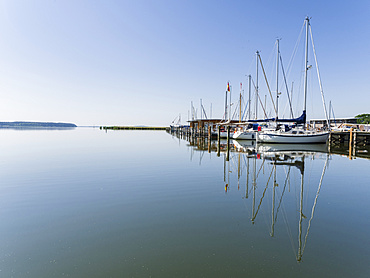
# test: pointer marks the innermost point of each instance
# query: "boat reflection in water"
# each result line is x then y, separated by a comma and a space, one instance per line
270, 166
294, 158
275, 183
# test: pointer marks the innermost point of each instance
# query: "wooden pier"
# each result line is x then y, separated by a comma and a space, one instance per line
357, 138
351, 143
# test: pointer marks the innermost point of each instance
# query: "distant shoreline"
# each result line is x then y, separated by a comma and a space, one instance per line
36, 125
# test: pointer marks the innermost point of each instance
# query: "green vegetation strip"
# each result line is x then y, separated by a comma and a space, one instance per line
363, 119
132, 128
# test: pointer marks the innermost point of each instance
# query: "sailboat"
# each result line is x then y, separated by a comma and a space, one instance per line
293, 136
248, 132
297, 135
251, 127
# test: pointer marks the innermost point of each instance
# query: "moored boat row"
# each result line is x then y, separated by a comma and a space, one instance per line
280, 136
285, 134
269, 129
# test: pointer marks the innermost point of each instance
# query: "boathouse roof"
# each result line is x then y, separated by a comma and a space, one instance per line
349, 120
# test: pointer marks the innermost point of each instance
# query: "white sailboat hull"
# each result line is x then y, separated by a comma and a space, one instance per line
292, 148
245, 135
289, 138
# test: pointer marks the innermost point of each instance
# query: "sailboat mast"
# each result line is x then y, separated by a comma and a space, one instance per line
273, 203
192, 112
247, 185
240, 104
201, 110
249, 98
306, 66
299, 255
230, 104
256, 116
277, 80
329, 114
226, 102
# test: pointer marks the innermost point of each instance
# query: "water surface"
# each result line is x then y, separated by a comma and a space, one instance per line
90, 203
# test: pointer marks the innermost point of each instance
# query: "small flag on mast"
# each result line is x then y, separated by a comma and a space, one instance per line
228, 87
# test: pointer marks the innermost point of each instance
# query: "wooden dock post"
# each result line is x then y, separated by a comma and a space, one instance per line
218, 140
209, 138
350, 143
228, 144
354, 142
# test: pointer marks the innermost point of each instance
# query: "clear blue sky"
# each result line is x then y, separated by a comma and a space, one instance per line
143, 62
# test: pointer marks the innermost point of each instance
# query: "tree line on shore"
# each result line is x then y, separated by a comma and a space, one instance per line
363, 118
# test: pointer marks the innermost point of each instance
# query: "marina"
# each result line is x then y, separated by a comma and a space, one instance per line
174, 139
277, 130
349, 143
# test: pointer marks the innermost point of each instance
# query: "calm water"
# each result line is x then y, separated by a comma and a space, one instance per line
85, 203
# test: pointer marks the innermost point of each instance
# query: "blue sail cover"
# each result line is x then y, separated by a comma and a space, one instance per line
300, 120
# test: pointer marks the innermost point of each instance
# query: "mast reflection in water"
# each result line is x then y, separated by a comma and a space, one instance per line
273, 169
267, 161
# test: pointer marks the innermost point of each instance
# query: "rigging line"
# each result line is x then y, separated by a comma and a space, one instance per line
308, 183
263, 195
268, 86
242, 166
245, 205
298, 99
332, 109
295, 50
242, 104
271, 61
259, 98
241, 101
263, 161
286, 86
245, 109
290, 64
204, 111
282, 194
244, 159
233, 167
201, 157
246, 167
272, 55
318, 75
252, 63
174, 119
191, 154
263, 108
314, 204
289, 230
236, 109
